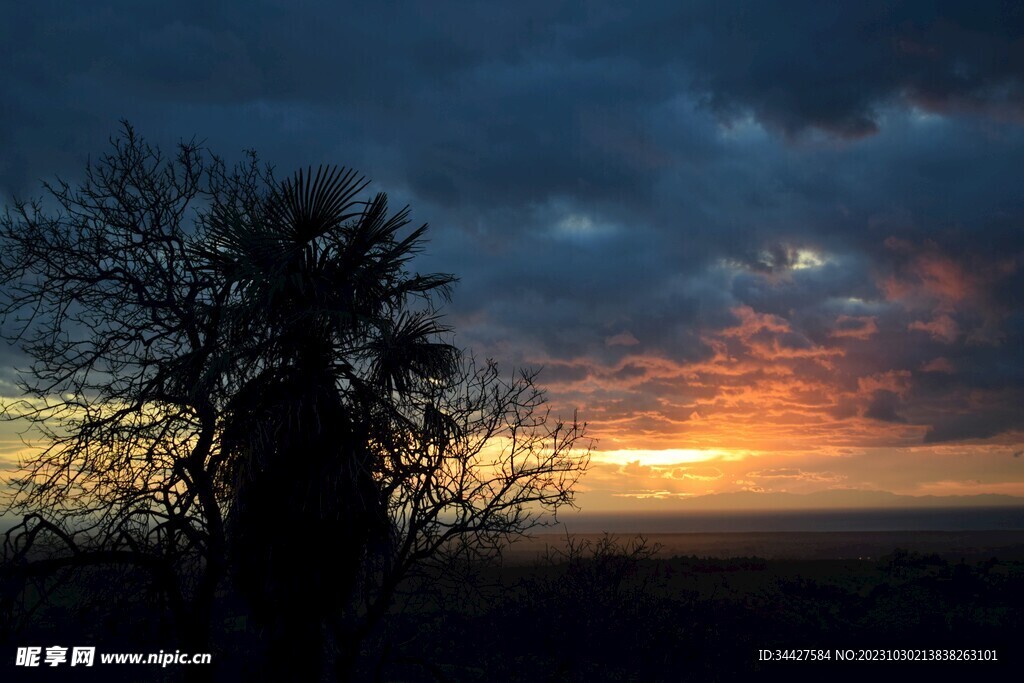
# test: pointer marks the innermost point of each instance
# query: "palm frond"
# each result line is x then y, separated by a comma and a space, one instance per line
407, 349
307, 206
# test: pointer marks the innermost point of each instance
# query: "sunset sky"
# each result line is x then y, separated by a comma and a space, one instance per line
758, 246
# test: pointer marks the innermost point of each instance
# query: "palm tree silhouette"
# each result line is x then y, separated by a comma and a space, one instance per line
322, 339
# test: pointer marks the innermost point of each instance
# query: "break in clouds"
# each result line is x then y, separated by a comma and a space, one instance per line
724, 225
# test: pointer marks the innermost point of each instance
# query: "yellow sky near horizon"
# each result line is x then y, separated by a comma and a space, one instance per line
635, 480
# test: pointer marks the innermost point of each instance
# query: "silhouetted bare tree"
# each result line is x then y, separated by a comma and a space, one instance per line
233, 374
124, 393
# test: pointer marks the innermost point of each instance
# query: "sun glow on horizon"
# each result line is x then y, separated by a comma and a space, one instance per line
668, 456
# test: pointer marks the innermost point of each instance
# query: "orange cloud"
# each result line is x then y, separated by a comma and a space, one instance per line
942, 328
797, 474
696, 473
770, 337
940, 364
751, 322
928, 278
896, 381
861, 327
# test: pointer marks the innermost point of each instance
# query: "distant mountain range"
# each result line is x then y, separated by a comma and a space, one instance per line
843, 499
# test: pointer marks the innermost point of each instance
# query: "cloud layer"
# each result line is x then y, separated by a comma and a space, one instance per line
717, 225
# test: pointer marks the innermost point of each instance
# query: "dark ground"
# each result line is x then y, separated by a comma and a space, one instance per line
595, 608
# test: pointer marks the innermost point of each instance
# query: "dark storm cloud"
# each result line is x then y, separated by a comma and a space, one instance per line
834, 67
979, 425
613, 182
